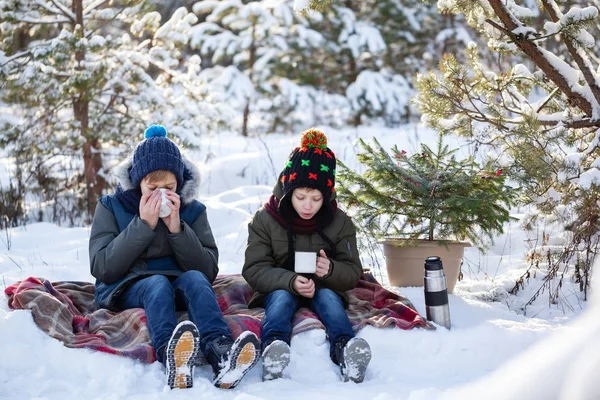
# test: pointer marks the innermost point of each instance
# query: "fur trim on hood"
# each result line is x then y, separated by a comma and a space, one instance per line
191, 178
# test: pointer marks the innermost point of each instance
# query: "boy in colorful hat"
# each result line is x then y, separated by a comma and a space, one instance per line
302, 216
165, 264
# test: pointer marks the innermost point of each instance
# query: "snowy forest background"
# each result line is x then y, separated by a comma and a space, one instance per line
513, 83
519, 82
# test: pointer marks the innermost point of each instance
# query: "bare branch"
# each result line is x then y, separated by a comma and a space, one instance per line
42, 21
16, 56
110, 104
105, 22
55, 11
550, 96
498, 26
583, 123
94, 5
16, 263
65, 11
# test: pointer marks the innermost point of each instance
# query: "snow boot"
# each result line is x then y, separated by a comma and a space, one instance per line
353, 357
180, 355
231, 360
276, 356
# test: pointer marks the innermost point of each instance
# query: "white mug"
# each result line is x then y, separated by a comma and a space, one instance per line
306, 262
165, 211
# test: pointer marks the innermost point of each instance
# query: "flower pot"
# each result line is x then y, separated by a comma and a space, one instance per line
405, 262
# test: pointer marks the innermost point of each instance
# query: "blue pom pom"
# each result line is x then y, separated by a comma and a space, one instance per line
155, 131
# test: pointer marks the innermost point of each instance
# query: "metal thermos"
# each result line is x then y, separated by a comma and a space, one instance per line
436, 293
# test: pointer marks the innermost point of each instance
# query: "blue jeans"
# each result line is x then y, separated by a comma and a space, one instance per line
281, 305
160, 298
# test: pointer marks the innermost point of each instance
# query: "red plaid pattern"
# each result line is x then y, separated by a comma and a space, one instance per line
67, 312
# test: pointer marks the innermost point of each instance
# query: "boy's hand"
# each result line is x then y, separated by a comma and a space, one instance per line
323, 264
150, 207
173, 221
304, 286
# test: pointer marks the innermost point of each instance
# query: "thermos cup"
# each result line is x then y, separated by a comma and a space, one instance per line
436, 293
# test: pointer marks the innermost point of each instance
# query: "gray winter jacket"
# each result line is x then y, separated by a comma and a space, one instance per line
123, 248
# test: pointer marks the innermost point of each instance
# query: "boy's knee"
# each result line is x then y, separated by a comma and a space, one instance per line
326, 294
157, 280
193, 283
327, 297
158, 284
281, 298
196, 277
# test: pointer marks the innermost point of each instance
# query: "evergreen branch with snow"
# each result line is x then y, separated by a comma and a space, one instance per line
545, 121
580, 58
85, 88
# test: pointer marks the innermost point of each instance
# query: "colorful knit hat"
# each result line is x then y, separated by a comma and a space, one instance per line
154, 153
312, 165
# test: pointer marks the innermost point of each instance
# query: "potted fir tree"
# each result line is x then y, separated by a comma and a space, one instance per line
423, 205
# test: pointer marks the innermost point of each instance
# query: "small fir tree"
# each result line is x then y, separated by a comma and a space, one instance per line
541, 114
429, 195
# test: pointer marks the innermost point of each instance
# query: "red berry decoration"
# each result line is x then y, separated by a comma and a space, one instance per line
313, 138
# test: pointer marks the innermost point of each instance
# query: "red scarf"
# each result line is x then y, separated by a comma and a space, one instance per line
299, 225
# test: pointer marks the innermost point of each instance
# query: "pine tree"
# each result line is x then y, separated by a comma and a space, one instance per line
346, 63
370, 52
80, 84
250, 52
536, 117
241, 40
542, 116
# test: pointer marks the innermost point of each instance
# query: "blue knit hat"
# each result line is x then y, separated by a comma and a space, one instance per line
154, 153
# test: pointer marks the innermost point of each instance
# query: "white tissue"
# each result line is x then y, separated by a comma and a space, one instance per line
165, 211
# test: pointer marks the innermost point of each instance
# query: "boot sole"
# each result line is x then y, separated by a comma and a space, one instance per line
181, 354
275, 360
243, 356
357, 355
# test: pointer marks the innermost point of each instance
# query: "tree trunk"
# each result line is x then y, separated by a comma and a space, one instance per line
245, 123
352, 78
251, 61
92, 158
95, 183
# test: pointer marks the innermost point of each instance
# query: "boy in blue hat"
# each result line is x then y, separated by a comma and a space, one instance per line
166, 264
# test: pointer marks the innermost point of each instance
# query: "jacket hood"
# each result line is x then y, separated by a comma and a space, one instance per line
187, 192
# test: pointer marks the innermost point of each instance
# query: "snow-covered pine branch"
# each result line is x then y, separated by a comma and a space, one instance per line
541, 113
97, 92
251, 38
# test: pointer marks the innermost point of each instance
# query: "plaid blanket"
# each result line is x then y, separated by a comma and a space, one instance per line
67, 312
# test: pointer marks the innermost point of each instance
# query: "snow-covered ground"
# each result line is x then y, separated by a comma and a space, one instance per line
492, 351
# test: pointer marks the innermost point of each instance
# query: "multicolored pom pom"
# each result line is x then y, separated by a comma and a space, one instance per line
313, 138
155, 131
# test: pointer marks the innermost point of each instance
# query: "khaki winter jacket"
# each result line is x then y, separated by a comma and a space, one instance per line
266, 268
